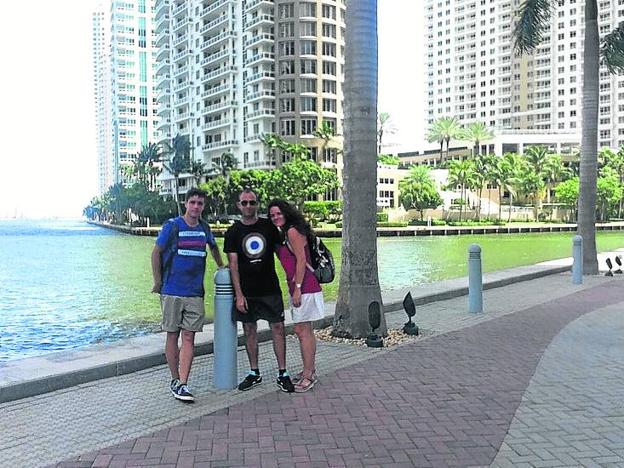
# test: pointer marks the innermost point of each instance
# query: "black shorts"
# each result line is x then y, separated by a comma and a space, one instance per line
269, 308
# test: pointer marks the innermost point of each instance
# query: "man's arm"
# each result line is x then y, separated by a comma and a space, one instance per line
216, 254
156, 268
241, 301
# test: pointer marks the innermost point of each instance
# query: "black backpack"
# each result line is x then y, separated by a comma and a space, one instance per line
322, 260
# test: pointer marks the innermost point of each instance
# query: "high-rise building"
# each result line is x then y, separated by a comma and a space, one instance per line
473, 73
124, 84
101, 83
231, 71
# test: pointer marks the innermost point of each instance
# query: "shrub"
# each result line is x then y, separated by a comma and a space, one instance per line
382, 217
392, 224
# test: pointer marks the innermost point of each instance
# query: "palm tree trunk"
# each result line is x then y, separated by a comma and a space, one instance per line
510, 207
359, 277
176, 196
441, 152
589, 142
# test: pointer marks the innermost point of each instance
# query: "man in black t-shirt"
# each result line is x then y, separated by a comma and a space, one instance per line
250, 246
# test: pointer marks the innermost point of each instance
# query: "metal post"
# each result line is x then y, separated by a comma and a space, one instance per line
475, 281
225, 333
577, 260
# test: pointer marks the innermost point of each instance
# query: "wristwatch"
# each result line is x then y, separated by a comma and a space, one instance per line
298, 285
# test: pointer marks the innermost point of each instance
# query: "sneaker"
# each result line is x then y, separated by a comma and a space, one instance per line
182, 393
285, 384
173, 386
250, 381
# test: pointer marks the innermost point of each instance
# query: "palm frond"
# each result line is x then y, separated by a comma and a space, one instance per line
533, 19
612, 49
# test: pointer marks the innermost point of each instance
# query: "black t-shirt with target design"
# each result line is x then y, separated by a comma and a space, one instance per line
255, 246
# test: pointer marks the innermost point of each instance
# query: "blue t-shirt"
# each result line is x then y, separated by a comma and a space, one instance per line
184, 275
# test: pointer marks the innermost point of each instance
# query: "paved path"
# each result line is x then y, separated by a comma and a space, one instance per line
447, 400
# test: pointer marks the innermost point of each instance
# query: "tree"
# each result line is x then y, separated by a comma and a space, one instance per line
300, 179
534, 20
567, 192
418, 191
384, 126
359, 278
476, 133
554, 172
178, 154
609, 192
443, 131
462, 174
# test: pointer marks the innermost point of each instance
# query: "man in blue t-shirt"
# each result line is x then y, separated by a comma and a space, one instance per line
178, 267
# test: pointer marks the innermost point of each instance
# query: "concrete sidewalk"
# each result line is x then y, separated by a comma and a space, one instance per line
446, 399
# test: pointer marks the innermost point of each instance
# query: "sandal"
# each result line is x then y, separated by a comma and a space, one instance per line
297, 378
305, 384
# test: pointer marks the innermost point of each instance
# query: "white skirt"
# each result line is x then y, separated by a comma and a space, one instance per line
312, 308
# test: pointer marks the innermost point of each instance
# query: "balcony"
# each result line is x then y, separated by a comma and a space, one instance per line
212, 58
214, 24
162, 7
182, 116
258, 58
181, 71
217, 73
163, 38
179, 9
162, 23
215, 41
180, 86
162, 80
214, 8
216, 91
259, 20
180, 55
163, 53
218, 107
164, 110
253, 5
163, 123
181, 24
217, 124
261, 113
163, 66
264, 94
259, 76
219, 144
255, 40
179, 40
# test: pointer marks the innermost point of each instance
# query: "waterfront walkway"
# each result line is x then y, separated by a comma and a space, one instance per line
533, 381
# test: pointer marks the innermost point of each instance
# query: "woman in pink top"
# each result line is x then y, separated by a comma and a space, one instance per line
306, 297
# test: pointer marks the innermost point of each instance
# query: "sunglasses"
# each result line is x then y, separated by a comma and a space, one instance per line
248, 202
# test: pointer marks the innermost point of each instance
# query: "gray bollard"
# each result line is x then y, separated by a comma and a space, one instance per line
225, 372
577, 260
475, 280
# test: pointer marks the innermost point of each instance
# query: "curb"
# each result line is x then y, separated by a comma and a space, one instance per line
52, 383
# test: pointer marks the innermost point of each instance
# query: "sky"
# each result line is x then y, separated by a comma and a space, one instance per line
48, 152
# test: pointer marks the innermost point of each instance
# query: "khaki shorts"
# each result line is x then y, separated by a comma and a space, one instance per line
179, 312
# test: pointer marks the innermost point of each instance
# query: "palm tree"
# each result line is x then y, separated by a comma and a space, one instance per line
150, 155
476, 133
178, 160
384, 126
273, 143
197, 169
359, 278
507, 179
443, 131
534, 19
462, 174
554, 172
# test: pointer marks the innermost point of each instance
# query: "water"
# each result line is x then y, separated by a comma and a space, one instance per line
66, 284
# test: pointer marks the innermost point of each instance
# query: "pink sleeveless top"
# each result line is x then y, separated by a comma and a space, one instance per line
289, 262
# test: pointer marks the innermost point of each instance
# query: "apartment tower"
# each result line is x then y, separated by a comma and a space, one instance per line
473, 74
229, 72
124, 72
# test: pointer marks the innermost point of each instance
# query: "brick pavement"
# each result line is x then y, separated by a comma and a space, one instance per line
444, 401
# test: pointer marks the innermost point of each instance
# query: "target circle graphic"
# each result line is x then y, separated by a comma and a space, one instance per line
254, 245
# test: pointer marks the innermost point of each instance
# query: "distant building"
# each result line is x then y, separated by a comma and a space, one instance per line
474, 75
123, 56
230, 71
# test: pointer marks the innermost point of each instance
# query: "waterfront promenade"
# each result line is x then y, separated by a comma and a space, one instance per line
533, 381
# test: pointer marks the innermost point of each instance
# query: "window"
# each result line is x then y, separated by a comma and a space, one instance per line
329, 68
329, 86
287, 30
307, 28
286, 48
308, 85
287, 105
287, 67
307, 9
329, 49
308, 66
308, 47
286, 10
287, 86
308, 104
329, 11
329, 30
329, 105
287, 127
308, 126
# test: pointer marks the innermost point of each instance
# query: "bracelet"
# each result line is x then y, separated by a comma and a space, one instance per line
298, 286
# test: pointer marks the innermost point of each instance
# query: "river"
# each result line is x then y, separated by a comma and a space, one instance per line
67, 284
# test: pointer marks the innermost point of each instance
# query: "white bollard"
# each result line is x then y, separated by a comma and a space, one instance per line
225, 341
475, 280
577, 260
